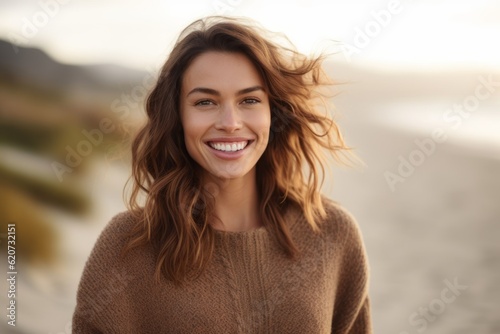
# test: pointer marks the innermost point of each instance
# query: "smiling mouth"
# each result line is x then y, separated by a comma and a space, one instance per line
229, 146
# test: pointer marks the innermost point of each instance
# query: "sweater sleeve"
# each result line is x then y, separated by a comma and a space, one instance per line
102, 293
352, 305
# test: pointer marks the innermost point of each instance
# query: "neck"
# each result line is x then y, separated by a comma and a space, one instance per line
236, 203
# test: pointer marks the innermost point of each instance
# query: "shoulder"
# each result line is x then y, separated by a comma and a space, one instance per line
110, 243
115, 233
345, 238
337, 228
341, 228
121, 223
105, 280
105, 262
338, 217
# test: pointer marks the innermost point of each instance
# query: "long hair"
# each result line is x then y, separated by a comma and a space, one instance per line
175, 217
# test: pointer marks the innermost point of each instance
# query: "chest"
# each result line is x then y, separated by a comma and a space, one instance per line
257, 293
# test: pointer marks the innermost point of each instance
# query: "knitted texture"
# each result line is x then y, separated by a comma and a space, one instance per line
249, 287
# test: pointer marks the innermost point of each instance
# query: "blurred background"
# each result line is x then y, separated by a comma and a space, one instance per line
419, 102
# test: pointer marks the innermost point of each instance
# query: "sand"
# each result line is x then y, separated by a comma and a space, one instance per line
442, 224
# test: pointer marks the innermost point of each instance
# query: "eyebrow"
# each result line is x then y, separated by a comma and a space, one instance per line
217, 93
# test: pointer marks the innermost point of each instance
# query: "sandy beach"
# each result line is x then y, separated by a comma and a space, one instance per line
442, 224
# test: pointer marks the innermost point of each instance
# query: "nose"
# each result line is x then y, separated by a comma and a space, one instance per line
229, 119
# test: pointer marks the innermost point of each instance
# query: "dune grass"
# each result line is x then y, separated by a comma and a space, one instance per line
36, 239
62, 195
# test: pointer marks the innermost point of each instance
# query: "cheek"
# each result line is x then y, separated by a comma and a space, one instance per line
193, 126
192, 131
262, 123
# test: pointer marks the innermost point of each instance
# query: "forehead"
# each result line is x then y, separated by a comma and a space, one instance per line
221, 71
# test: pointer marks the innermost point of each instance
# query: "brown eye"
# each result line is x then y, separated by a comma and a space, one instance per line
204, 103
251, 101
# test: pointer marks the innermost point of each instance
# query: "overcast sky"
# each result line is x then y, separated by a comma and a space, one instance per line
418, 33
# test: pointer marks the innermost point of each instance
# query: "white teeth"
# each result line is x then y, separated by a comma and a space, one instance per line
229, 147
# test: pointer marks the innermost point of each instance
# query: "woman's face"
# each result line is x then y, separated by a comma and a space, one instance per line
225, 113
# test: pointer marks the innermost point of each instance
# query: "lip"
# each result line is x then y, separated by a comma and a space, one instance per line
228, 139
229, 155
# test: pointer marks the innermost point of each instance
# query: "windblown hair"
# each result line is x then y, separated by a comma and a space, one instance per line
178, 210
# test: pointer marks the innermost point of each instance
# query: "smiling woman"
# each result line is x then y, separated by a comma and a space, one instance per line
234, 236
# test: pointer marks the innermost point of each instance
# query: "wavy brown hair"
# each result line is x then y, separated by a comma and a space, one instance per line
178, 209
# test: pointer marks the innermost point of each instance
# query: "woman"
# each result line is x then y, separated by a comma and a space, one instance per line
233, 235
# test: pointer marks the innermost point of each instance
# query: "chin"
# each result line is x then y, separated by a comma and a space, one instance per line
229, 172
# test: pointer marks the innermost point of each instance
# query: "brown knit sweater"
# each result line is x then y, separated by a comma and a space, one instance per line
249, 287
